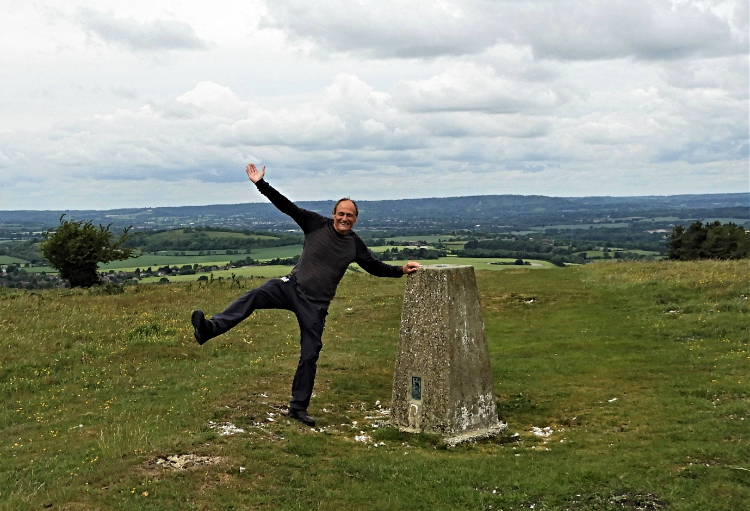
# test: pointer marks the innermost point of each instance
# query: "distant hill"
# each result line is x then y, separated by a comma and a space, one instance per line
489, 211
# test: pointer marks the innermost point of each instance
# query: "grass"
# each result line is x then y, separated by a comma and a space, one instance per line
155, 261
640, 370
4, 259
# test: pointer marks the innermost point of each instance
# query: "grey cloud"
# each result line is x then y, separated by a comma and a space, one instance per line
421, 28
644, 29
134, 35
475, 124
554, 29
706, 152
528, 167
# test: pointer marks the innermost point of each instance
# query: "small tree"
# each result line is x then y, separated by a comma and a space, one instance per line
75, 249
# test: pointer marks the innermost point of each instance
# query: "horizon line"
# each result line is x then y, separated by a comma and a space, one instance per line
394, 200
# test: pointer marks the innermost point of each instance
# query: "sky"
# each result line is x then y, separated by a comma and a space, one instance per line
109, 104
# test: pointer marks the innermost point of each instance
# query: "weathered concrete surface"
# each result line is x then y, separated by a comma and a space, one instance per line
443, 380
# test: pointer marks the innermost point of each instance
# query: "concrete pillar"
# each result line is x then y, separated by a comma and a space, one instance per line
443, 380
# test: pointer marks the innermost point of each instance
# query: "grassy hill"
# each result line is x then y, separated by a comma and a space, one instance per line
639, 370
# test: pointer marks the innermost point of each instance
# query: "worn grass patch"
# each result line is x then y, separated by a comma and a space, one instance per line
624, 387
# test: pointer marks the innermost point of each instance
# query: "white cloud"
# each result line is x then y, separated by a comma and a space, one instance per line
139, 36
468, 87
214, 98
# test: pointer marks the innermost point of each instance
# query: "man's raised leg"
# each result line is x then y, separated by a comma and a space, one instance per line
274, 294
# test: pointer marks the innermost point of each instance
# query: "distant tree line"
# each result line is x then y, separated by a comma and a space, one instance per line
197, 239
628, 238
409, 253
16, 277
521, 248
284, 261
709, 241
519, 244
558, 259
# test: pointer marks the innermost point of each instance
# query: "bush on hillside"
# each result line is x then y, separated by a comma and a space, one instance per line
75, 249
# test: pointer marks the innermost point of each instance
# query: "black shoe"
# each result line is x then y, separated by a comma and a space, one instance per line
301, 415
202, 331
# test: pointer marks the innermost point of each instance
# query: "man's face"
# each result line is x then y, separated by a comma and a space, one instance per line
345, 217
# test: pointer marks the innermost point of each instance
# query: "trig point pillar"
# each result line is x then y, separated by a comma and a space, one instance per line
443, 379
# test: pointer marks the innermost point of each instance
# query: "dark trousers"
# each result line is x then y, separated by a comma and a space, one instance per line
283, 294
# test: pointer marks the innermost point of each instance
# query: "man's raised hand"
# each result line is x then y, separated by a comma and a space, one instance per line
254, 174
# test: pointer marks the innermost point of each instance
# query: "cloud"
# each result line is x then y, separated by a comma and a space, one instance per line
644, 29
554, 29
214, 98
139, 36
695, 152
728, 74
469, 87
467, 115
385, 28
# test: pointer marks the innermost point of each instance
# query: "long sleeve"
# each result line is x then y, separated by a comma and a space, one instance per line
365, 259
307, 220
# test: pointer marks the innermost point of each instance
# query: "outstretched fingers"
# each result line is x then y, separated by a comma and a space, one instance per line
253, 173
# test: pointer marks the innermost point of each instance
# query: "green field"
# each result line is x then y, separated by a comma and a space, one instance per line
264, 254
281, 270
11, 260
157, 261
641, 252
640, 370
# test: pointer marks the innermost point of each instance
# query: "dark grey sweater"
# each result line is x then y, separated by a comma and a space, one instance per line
326, 254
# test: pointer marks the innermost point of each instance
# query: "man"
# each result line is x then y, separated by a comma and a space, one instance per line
330, 247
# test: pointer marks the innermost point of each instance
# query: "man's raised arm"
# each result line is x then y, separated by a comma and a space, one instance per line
304, 218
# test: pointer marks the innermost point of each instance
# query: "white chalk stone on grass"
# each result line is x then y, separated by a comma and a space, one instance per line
442, 382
